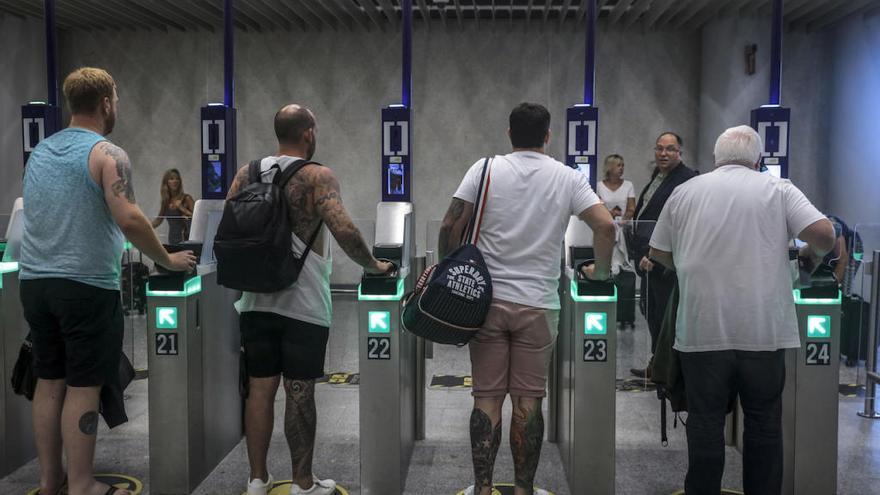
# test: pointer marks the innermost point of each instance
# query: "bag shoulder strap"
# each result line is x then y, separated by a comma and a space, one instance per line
283, 177
472, 233
254, 171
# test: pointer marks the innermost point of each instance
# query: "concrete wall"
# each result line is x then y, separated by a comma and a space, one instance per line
465, 83
854, 147
23, 69
728, 94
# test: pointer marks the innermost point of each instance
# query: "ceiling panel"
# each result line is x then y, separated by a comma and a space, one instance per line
353, 15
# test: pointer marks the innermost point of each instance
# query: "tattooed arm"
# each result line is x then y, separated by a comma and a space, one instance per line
112, 167
240, 180
453, 226
328, 204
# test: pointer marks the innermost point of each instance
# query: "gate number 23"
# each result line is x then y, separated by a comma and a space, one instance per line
595, 350
378, 348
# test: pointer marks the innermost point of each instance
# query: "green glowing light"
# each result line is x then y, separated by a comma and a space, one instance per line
595, 323
382, 297
379, 322
815, 301
190, 287
578, 298
818, 326
7, 267
166, 317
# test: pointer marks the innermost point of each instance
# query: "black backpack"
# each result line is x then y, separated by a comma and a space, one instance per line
254, 244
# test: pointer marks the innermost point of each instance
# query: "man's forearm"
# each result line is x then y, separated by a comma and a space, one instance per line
141, 234
352, 243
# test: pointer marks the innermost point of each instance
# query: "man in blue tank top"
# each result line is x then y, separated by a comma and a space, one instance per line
79, 206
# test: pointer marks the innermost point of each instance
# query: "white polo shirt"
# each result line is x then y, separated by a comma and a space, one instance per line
728, 232
531, 197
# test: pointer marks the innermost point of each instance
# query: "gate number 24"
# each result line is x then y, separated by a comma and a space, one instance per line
378, 348
818, 353
595, 350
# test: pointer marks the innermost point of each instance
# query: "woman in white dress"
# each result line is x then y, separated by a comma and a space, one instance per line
618, 194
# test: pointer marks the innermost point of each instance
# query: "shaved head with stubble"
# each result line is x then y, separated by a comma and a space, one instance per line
295, 127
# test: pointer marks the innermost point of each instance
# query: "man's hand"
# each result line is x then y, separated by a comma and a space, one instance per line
616, 211
181, 261
590, 273
646, 264
379, 267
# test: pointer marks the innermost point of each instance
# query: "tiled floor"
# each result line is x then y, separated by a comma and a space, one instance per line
441, 463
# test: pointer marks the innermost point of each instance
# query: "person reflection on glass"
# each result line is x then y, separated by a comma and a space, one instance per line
176, 206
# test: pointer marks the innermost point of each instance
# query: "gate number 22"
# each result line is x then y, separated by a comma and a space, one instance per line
378, 348
595, 350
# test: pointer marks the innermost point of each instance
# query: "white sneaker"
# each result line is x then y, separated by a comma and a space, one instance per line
259, 487
468, 491
541, 491
319, 487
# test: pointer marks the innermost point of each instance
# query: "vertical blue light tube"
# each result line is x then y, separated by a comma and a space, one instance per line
776, 55
406, 83
228, 54
590, 53
51, 47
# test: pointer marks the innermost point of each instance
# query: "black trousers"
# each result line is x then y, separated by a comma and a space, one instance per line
660, 284
712, 380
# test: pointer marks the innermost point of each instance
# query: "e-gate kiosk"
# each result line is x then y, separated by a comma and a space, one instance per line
16, 426
193, 338
584, 372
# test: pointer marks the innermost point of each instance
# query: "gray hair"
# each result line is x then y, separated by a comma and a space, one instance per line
739, 145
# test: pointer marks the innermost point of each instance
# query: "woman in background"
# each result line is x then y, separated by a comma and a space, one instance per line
176, 206
618, 194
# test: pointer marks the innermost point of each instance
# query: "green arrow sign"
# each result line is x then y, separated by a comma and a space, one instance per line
818, 326
379, 322
166, 317
595, 323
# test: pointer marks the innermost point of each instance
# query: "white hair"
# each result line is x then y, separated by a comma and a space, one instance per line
739, 145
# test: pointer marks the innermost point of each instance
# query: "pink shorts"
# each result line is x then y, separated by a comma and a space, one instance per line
511, 353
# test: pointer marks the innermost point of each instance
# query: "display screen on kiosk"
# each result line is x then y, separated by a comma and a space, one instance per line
396, 180
214, 177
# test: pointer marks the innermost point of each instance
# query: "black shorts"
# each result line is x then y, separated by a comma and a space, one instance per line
76, 329
275, 344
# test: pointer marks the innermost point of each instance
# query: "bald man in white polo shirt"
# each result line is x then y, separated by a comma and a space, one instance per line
726, 233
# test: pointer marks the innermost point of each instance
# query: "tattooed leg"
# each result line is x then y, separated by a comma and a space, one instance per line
300, 422
526, 439
485, 440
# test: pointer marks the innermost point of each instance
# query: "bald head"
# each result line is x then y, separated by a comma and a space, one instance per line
291, 122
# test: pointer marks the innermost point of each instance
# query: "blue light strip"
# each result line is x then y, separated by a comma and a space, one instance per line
51, 48
228, 53
406, 82
590, 53
776, 54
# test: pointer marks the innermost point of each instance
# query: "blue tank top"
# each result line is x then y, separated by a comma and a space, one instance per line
68, 229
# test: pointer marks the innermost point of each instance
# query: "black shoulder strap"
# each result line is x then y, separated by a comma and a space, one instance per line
469, 230
281, 179
254, 171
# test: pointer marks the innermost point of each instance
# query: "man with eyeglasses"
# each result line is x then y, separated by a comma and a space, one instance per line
657, 282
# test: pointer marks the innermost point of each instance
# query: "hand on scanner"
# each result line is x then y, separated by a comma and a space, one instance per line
181, 261
589, 272
381, 267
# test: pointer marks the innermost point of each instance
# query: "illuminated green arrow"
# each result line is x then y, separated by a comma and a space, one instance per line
818, 326
595, 323
166, 317
379, 322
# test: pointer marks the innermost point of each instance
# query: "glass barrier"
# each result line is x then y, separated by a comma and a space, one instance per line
857, 305
133, 286
4, 226
172, 229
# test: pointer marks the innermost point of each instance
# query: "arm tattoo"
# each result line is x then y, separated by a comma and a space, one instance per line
448, 238
484, 446
241, 179
300, 422
526, 439
329, 206
88, 423
123, 184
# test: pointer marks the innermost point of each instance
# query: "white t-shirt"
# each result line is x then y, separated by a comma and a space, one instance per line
531, 197
308, 299
728, 232
618, 197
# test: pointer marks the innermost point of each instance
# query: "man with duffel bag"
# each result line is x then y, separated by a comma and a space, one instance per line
526, 200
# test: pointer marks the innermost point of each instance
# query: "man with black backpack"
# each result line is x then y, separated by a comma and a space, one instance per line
286, 311
528, 200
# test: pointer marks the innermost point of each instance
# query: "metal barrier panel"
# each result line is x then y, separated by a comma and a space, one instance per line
16, 425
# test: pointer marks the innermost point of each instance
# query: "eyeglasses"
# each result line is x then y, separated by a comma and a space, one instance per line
668, 149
